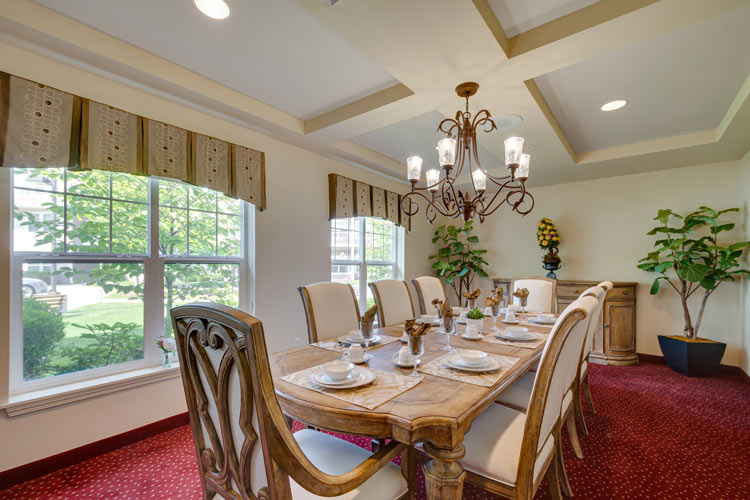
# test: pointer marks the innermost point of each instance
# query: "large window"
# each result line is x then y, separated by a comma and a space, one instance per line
364, 250
100, 258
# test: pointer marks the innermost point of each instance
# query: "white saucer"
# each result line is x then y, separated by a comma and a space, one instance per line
394, 360
517, 336
543, 321
322, 379
469, 337
511, 322
346, 339
454, 362
364, 377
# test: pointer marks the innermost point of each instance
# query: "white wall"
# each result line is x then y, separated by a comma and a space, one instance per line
745, 207
291, 248
603, 225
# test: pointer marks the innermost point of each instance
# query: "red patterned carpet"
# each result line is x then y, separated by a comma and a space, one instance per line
657, 435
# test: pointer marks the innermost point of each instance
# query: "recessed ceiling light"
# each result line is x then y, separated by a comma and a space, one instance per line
613, 105
216, 9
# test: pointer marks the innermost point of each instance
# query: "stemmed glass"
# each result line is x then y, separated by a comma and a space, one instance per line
365, 328
495, 310
416, 349
448, 327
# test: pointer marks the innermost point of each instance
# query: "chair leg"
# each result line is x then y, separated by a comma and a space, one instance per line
587, 392
570, 423
578, 409
409, 470
377, 444
553, 481
559, 462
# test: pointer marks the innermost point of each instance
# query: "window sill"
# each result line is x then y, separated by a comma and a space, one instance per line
33, 401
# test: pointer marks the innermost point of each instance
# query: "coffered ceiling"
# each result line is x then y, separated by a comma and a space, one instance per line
368, 82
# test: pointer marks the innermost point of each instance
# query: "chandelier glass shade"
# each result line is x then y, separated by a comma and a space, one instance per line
458, 151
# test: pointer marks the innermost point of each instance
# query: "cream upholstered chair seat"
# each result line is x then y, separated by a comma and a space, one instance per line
542, 293
394, 301
493, 446
518, 394
331, 310
428, 289
335, 456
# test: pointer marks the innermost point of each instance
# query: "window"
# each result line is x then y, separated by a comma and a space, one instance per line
364, 247
99, 258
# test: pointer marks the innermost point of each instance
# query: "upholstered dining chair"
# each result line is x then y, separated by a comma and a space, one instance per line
243, 445
509, 451
394, 301
607, 285
428, 289
331, 310
519, 396
600, 292
542, 293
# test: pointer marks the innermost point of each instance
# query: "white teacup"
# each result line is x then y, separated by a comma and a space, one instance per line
355, 353
427, 318
338, 370
510, 314
405, 357
472, 331
470, 357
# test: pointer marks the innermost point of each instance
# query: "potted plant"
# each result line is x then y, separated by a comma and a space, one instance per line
548, 239
456, 260
690, 250
476, 318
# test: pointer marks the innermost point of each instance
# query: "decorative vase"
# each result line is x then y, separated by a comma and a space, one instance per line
167, 360
691, 357
479, 323
551, 262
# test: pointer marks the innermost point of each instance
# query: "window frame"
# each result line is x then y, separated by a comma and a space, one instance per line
396, 264
153, 294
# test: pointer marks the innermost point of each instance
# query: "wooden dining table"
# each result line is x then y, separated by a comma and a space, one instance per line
437, 412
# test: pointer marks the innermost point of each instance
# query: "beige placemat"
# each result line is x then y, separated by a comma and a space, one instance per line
541, 338
333, 345
385, 387
486, 379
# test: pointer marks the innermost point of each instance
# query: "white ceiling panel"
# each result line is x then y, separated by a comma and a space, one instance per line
518, 16
274, 51
678, 83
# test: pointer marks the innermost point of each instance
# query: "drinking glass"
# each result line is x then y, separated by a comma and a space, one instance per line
366, 329
448, 327
471, 304
495, 314
416, 349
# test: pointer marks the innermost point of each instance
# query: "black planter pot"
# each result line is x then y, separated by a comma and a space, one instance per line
551, 266
694, 359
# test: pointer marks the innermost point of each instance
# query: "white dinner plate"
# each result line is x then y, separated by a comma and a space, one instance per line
322, 378
394, 359
516, 338
346, 339
543, 321
364, 377
470, 337
511, 322
454, 362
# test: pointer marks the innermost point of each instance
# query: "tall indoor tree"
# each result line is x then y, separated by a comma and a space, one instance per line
456, 260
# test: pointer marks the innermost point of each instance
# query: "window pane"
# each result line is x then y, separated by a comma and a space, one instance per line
184, 283
87, 225
229, 235
129, 187
173, 194
229, 205
89, 183
202, 198
80, 316
129, 228
46, 179
202, 234
346, 274
37, 221
172, 231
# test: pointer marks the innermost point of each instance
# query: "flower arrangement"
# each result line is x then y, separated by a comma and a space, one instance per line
548, 239
167, 346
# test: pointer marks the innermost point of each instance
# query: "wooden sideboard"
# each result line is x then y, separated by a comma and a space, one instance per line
614, 342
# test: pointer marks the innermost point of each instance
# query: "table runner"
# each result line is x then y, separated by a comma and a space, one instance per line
334, 345
485, 379
541, 338
385, 387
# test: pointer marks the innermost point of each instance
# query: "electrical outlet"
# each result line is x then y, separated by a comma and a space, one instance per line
297, 341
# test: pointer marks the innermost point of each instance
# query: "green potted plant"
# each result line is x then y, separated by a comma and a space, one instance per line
476, 318
457, 261
691, 252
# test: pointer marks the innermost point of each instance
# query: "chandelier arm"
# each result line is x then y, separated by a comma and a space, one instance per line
429, 202
449, 200
480, 119
517, 204
491, 201
460, 156
454, 124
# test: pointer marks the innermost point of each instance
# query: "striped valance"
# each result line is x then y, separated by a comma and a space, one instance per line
350, 198
44, 127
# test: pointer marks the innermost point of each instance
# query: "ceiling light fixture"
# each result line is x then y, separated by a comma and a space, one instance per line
459, 147
216, 9
613, 105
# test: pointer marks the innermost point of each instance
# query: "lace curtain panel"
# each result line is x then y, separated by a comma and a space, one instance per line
44, 127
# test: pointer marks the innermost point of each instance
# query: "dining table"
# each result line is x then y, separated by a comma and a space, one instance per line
437, 412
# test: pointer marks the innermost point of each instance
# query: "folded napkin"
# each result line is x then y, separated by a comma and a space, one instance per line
521, 293
472, 295
411, 327
497, 294
369, 315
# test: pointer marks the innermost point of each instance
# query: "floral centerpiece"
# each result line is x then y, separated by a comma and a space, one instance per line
548, 239
167, 346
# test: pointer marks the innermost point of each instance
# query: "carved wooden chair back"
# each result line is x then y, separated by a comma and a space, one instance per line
428, 289
542, 293
394, 301
562, 350
607, 285
245, 448
331, 310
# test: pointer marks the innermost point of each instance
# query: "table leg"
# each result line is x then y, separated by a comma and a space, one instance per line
443, 473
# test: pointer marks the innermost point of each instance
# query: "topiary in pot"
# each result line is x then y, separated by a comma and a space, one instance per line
689, 257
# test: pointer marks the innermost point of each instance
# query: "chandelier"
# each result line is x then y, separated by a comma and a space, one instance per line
459, 147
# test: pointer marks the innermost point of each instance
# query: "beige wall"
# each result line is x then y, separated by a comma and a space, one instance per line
291, 248
603, 224
745, 207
